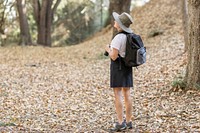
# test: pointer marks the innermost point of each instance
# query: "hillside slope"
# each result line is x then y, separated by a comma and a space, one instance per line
155, 16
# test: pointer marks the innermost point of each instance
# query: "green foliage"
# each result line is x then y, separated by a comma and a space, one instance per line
155, 32
9, 27
179, 84
6, 124
32, 25
197, 86
75, 21
101, 56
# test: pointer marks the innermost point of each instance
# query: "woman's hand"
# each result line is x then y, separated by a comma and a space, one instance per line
108, 48
112, 52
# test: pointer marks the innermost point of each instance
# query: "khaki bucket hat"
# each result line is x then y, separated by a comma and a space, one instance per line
124, 20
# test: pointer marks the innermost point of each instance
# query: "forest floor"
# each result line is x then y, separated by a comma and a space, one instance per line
66, 89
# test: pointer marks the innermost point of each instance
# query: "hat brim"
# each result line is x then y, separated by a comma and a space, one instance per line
116, 17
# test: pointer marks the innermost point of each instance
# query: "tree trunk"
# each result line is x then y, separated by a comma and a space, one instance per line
185, 22
192, 77
44, 29
49, 21
2, 16
118, 6
25, 37
43, 13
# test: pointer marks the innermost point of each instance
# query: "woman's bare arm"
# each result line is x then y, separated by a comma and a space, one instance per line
113, 53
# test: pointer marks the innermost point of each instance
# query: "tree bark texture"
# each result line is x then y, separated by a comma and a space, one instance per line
185, 22
2, 16
118, 6
43, 13
25, 37
192, 77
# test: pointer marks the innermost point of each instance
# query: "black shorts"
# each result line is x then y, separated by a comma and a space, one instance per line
120, 75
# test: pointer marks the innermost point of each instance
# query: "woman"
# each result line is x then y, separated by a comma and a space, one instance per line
121, 79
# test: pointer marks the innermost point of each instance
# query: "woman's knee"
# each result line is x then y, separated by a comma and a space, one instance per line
127, 94
118, 93
126, 91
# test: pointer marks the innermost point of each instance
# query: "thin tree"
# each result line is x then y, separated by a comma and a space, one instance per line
25, 37
2, 21
192, 77
2, 15
43, 12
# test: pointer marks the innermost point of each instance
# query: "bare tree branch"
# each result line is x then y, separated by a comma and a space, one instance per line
55, 6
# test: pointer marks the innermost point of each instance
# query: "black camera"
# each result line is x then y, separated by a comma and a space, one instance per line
106, 53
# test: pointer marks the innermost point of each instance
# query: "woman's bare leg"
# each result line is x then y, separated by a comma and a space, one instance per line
119, 104
128, 103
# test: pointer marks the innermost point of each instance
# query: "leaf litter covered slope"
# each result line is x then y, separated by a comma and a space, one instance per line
67, 89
